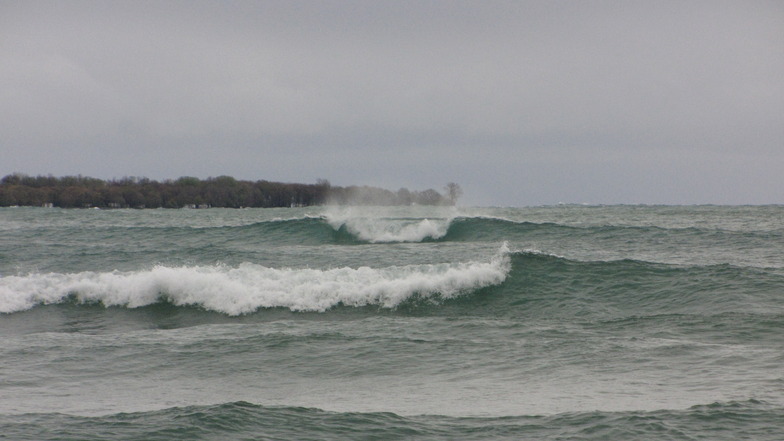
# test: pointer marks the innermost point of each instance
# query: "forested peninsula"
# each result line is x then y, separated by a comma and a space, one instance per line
188, 192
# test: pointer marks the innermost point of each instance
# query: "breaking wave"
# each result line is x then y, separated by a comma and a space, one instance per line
248, 287
381, 230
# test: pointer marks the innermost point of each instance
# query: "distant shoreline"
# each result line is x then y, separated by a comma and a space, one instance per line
188, 192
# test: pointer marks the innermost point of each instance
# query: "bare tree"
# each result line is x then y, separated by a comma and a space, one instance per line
453, 192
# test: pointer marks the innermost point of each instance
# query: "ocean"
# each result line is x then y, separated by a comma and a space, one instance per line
372, 323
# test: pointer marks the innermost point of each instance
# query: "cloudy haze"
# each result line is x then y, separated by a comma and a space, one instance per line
521, 102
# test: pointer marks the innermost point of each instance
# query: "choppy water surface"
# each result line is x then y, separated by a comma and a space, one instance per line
567, 322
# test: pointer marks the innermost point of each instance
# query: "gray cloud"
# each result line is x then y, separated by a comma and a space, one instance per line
521, 102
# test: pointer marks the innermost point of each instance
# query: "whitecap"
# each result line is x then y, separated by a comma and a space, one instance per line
248, 287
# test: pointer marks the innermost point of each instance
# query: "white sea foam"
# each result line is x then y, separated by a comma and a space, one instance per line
249, 287
377, 227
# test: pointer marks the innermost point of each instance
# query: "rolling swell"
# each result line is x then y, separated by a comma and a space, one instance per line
751, 419
496, 229
523, 282
305, 231
329, 229
542, 285
354, 230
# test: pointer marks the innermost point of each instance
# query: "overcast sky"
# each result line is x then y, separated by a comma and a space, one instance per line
520, 102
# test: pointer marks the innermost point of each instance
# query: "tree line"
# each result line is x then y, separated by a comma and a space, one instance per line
223, 191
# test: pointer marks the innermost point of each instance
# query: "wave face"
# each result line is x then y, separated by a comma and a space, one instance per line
567, 322
625, 287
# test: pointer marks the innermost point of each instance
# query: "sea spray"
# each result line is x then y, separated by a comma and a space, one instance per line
380, 225
249, 287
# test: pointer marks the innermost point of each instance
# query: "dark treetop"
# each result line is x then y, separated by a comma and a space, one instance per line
223, 191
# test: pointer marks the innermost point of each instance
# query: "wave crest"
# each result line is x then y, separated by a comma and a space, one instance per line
248, 287
381, 230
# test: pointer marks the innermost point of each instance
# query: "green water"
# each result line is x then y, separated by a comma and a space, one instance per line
566, 322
